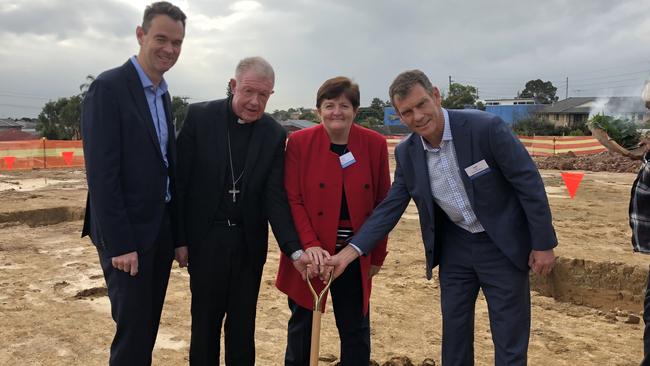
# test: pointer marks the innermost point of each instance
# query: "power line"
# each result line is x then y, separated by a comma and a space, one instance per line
20, 106
21, 95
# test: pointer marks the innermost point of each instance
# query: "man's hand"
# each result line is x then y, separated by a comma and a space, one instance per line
373, 270
302, 265
341, 260
181, 256
541, 261
126, 262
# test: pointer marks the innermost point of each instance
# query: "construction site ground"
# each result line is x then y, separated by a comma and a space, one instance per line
54, 309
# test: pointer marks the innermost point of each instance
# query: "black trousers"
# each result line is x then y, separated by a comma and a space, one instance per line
353, 326
646, 321
225, 284
137, 302
469, 262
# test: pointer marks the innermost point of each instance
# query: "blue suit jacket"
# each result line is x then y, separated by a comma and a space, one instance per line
126, 174
509, 201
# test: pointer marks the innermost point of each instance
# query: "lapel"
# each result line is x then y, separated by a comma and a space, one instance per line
460, 132
254, 145
420, 170
217, 112
137, 94
171, 130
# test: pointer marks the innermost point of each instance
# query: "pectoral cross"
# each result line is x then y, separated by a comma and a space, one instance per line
234, 192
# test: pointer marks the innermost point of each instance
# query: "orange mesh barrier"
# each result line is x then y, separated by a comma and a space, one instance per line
550, 145
40, 154
63, 154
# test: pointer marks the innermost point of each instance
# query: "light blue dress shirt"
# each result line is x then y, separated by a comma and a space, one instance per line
156, 107
446, 184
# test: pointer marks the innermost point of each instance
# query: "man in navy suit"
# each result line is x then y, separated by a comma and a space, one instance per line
129, 150
484, 217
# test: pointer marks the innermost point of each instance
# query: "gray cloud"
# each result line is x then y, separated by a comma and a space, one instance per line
49, 46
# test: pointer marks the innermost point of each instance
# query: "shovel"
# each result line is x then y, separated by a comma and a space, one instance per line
315, 321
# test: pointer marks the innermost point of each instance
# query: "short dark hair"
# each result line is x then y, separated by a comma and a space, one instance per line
162, 8
403, 83
335, 87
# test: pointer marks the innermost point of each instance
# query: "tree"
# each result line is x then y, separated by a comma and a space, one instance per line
61, 119
542, 91
179, 111
280, 115
460, 96
83, 88
372, 115
308, 115
623, 131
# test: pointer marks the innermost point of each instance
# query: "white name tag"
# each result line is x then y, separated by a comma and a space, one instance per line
347, 159
476, 170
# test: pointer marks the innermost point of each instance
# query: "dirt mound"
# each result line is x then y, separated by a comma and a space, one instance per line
602, 162
92, 293
599, 285
42, 216
394, 361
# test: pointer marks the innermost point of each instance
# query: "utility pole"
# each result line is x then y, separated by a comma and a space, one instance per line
449, 85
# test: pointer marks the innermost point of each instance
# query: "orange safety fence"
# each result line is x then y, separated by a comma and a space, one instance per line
40, 154
551, 145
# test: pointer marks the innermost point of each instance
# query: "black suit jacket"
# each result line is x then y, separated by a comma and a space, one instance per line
202, 159
125, 170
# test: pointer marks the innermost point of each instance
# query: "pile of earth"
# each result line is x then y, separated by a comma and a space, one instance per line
602, 162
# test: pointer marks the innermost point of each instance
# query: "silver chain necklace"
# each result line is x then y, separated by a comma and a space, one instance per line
234, 189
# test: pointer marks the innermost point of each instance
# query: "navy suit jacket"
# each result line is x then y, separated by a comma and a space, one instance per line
509, 201
127, 177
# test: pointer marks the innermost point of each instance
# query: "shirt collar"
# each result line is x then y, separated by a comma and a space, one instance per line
144, 79
446, 134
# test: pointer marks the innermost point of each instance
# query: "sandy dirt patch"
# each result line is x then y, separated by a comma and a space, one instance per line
54, 309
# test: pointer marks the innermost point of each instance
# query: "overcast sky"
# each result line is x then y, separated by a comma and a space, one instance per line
47, 47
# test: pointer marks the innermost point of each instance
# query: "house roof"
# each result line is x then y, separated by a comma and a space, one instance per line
8, 123
299, 123
13, 134
586, 105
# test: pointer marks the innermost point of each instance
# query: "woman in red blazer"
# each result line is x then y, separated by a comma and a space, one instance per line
335, 175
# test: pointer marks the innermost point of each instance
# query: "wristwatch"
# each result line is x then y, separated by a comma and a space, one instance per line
297, 254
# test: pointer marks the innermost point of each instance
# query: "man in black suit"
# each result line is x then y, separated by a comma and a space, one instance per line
129, 150
230, 186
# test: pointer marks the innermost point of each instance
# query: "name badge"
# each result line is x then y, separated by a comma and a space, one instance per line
476, 170
347, 159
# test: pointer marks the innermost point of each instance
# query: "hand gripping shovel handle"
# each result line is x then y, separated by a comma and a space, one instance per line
315, 321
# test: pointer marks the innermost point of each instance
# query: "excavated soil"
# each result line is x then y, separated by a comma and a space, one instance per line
54, 309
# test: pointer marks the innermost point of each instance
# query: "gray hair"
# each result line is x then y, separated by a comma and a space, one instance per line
403, 83
257, 64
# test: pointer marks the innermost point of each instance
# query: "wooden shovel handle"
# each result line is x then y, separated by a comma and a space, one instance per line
315, 320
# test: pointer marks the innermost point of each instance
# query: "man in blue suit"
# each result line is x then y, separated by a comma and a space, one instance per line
484, 217
129, 150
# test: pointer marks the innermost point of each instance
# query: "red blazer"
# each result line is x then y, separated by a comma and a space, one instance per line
314, 179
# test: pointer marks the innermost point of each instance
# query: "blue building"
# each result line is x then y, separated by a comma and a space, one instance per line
390, 117
512, 110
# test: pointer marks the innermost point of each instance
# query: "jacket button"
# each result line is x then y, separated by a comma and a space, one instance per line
366, 186
322, 185
320, 213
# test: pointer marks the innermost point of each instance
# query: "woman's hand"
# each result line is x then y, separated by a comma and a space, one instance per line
317, 255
